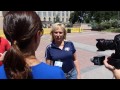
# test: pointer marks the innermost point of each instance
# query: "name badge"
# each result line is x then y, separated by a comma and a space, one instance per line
58, 63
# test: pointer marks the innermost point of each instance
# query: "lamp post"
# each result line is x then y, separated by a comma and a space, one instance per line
80, 19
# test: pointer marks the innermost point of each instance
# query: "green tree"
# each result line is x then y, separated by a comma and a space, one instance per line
74, 17
97, 16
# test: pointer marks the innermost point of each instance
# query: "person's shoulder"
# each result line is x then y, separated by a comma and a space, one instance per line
4, 39
49, 46
47, 67
43, 65
68, 41
59, 72
1, 68
56, 71
50, 67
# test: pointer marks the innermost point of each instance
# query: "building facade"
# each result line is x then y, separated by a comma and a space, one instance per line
50, 17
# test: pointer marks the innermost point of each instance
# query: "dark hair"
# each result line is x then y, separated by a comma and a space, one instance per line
19, 28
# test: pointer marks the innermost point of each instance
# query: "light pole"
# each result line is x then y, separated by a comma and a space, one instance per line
81, 16
80, 22
118, 15
79, 19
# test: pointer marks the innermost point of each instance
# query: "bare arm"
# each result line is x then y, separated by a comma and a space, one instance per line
116, 72
77, 66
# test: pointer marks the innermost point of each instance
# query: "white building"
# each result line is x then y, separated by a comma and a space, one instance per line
51, 15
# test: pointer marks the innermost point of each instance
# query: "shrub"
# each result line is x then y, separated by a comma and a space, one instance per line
105, 25
96, 26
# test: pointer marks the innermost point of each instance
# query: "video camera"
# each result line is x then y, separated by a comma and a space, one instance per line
103, 45
98, 60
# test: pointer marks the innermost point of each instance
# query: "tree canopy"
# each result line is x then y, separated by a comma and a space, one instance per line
89, 16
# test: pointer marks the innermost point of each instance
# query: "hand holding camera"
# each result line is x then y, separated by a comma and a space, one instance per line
98, 60
108, 66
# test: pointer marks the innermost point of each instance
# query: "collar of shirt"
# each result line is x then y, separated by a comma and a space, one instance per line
55, 46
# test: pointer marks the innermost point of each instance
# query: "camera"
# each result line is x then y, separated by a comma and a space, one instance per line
98, 60
114, 44
103, 44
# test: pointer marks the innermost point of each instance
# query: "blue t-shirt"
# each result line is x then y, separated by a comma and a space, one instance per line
2, 72
65, 55
44, 71
40, 71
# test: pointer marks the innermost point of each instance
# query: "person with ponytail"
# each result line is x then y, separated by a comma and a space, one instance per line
24, 30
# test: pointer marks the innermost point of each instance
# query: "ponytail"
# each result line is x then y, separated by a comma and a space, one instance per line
15, 65
20, 27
